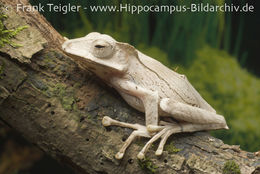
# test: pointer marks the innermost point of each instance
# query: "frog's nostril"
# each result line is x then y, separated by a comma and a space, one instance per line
99, 46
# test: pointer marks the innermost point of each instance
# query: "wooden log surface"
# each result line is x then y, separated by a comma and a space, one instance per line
58, 106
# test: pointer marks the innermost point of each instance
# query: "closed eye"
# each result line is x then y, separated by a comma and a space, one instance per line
100, 46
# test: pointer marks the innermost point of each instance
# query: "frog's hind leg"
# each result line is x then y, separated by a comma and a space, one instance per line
195, 119
178, 128
139, 131
172, 128
191, 114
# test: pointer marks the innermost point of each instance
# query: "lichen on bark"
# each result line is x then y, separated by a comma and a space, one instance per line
7, 35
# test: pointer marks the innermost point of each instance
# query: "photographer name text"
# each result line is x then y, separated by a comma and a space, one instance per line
136, 9
58, 8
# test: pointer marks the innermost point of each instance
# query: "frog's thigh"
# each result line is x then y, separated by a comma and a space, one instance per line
188, 113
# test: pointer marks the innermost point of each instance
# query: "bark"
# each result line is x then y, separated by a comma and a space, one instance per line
58, 106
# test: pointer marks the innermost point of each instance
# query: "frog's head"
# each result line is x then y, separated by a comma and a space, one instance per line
100, 53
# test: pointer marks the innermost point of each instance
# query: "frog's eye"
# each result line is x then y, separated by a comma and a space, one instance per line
101, 48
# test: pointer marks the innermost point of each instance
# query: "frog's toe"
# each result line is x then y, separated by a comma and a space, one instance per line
106, 121
153, 139
140, 131
119, 155
164, 138
140, 155
163, 134
158, 152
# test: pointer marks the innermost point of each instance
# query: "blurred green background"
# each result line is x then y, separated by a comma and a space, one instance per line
219, 52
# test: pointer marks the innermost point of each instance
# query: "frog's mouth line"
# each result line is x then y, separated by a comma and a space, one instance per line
87, 62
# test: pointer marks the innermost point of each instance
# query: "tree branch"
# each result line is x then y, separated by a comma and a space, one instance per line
59, 107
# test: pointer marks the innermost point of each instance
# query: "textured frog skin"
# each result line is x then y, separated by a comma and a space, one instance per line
146, 85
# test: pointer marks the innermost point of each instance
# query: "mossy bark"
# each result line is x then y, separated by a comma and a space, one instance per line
58, 106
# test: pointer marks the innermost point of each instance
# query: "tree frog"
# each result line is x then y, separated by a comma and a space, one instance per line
146, 85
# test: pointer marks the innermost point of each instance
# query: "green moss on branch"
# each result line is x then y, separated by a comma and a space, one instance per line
147, 166
7, 35
171, 148
231, 167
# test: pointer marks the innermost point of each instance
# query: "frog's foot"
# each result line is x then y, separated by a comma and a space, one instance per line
163, 134
140, 130
167, 129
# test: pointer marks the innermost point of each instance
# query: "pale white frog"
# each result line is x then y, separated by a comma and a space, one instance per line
146, 85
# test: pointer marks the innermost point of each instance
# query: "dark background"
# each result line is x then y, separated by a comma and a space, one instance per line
219, 52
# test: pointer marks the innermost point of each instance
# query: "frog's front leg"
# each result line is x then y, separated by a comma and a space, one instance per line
150, 101
140, 130
149, 98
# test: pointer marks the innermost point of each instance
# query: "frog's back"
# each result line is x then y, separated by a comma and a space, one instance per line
176, 82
